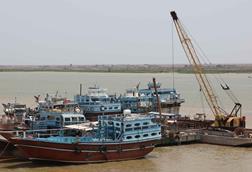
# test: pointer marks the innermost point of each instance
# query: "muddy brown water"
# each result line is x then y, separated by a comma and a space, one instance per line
189, 158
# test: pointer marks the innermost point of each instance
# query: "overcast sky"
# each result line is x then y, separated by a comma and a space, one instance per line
121, 31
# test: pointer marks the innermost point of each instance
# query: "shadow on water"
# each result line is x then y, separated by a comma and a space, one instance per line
143, 164
16, 163
11, 160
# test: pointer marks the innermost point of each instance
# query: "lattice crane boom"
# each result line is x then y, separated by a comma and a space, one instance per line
198, 69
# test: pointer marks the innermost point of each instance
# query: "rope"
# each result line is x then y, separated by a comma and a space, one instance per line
202, 55
172, 53
202, 101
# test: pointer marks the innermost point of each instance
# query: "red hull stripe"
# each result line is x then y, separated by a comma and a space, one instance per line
69, 150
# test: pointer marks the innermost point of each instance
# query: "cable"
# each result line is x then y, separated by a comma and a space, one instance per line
202, 55
172, 51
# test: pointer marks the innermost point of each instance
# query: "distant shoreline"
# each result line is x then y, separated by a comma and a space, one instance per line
145, 68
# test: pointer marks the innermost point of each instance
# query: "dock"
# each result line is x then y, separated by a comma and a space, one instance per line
180, 137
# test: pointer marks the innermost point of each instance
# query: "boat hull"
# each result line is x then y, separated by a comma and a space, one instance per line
83, 152
7, 150
226, 141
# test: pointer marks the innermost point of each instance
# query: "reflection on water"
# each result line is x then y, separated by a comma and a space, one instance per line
189, 158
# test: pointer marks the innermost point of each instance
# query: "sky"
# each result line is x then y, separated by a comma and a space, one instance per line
85, 32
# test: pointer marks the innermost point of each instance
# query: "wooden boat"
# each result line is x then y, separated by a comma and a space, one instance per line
83, 153
144, 100
97, 102
119, 137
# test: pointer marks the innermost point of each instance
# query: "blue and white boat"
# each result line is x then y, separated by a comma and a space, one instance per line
118, 137
144, 100
97, 102
54, 102
53, 119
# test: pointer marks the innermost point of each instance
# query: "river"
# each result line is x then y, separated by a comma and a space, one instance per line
22, 86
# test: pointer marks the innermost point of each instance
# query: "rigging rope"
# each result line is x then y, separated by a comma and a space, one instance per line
202, 101
172, 51
202, 55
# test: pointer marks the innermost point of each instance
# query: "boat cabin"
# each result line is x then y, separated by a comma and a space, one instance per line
128, 127
49, 120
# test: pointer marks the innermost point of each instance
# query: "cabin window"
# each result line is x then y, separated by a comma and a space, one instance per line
67, 119
129, 137
137, 128
74, 119
50, 117
137, 124
117, 124
145, 123
110, 107
145, 135
43, 118
116, 107
153, 134
105, 108
128, 125
137, 136
128, 129
110, 122
81, 118
57, 118
145, 127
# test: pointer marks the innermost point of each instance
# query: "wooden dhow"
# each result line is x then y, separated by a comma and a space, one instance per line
120, 137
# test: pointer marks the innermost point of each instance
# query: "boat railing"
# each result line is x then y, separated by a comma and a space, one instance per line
42, 133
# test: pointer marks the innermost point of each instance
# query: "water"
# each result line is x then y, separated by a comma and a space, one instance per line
190, 158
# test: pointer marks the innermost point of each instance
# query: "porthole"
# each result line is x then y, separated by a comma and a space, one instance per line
128, 125
137, 124
129, 137
137, 136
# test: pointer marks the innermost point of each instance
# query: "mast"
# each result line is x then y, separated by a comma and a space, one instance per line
158, 100
80, 89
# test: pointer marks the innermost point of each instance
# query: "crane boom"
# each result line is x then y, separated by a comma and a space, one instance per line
222, 118
198, 69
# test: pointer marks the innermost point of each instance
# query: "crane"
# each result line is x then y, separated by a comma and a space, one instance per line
222, 118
